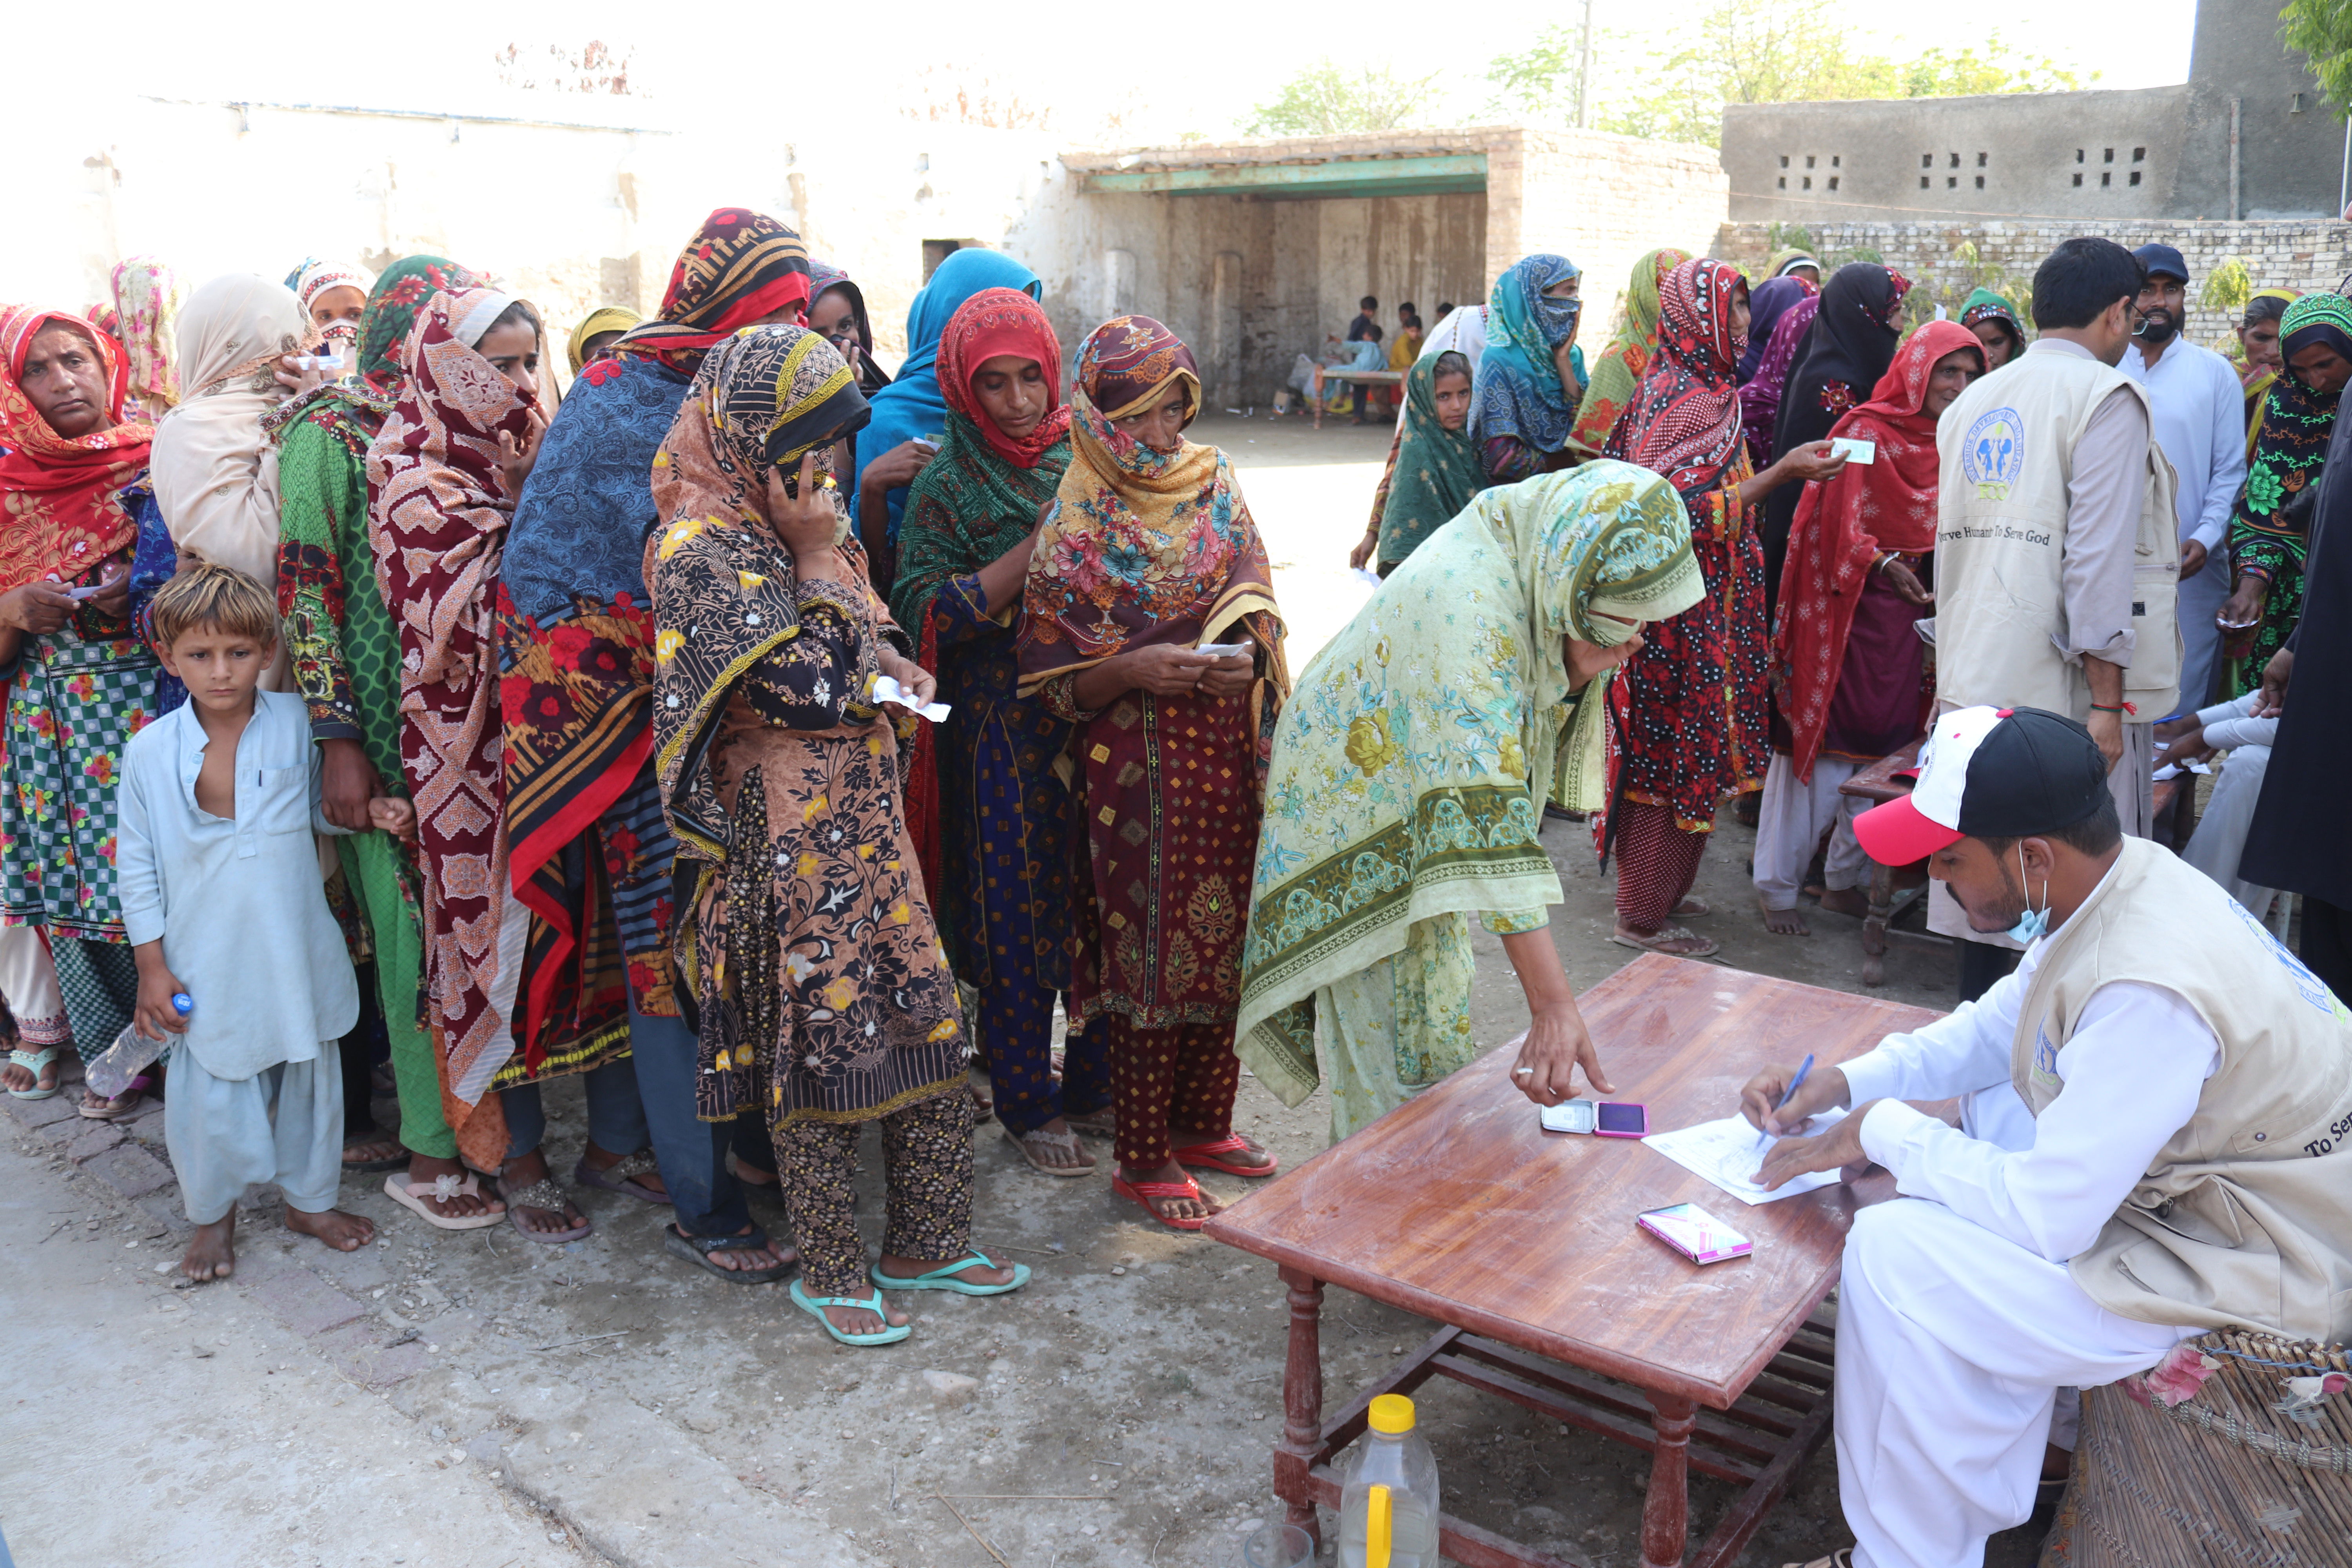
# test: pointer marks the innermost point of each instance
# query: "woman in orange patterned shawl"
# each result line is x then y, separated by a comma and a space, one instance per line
1148, 555
64, 518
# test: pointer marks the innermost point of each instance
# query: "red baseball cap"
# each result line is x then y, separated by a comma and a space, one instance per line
1988, 772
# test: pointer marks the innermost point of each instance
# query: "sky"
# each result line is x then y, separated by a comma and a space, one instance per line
1196, 68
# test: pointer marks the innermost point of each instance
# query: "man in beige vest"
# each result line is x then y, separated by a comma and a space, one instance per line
2056, 565
2156, 1140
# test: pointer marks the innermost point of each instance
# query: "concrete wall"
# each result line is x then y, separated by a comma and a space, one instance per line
1602, 201
2304, 255
2291, 145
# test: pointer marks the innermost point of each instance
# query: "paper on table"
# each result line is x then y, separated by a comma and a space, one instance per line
1729, 1151
2174, 770
887, 689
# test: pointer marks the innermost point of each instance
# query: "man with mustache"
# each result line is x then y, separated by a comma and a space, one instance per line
2198, 409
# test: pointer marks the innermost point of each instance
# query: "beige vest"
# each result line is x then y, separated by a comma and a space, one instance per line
2007, 449
2245, 1216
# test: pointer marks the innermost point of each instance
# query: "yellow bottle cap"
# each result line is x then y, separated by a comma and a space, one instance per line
1392, 1414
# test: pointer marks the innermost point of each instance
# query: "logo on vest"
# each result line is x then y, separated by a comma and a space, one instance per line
2306, 984
1994, 458
2045, 1062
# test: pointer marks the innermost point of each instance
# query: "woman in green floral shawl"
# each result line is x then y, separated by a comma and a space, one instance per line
2269, 530
1409, 773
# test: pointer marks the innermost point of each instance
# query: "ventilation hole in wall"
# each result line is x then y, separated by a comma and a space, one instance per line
2078, 178
1982, 158
2135, 177
1809, 159
1981, 181
2107, 180
1809, 182
2110, 157
1833, 180
1784, 180
2078, 154
2297, 108
1784, 160
1923, 181
1956, 160
2139, 154
1926, 160
1834, 160
1952, 183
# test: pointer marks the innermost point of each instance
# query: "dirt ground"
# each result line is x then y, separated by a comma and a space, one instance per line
1122, 1408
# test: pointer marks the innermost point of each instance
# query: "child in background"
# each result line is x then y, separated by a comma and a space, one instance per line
222, 900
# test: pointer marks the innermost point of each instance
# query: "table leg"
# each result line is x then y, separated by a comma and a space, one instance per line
1302, 1401
1665, 1512
1874, 925
1316, 395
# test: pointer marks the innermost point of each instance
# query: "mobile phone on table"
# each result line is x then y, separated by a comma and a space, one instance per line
1695, 1233
1602, 1118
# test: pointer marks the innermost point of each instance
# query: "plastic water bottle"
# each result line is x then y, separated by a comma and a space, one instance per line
1388, 1503
132, 1053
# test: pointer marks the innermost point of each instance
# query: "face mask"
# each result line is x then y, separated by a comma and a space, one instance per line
2033, 924
1608, 631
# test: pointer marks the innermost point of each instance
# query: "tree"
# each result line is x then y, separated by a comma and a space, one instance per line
2321, 31
1323, 100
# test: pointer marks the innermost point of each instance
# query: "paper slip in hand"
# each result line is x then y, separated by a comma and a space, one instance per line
1223, 649
887, 689
1728, 1152
1854, 450
1365, 575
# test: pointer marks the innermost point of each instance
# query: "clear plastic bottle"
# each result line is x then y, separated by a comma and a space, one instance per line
111, 1071
1388, 1503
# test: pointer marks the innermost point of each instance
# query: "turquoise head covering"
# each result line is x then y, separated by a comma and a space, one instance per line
912, 404
1519, 385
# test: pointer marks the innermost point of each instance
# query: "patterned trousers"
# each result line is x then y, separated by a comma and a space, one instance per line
1656, 864
1016, 1019
100, 982
1185, 1076
926, 1175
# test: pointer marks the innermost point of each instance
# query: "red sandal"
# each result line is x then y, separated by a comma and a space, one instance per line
1144, 1192
1199, 1154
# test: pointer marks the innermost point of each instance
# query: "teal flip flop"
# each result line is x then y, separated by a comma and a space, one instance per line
815, 1307
945, 1279
32, 1061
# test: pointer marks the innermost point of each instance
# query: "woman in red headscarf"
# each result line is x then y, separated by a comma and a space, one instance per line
999, 882
80, 684
1689, 717
1849, 671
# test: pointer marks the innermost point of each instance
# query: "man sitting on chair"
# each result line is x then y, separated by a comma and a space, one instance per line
2154, 1142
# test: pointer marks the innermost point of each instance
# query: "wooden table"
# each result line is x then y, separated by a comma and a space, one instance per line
1342, 372
1458, 1207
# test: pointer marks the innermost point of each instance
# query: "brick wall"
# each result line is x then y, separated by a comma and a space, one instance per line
2293, 254
1602, 201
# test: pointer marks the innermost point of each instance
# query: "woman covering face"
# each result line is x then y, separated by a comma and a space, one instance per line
1525, 403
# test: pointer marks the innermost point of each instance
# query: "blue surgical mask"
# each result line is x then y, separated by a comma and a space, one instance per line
2033, 924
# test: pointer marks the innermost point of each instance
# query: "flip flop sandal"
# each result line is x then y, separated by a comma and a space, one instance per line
696, 1250
815, 1307
984, 1109
1103, 1124
1201, 1155
945, 1279
34, 1061
1068, 1142
1689, 908
411, 1195
122, 1107
542, 1194
395, 1161
620, 1176
1657, 942
1144, 1192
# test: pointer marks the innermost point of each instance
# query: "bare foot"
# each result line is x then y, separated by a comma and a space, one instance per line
1850, 902
1058, 1150
423, 1170
343, 1232
1173, 1208
743, 1259
526, 1171
1688, 908
211, 1251
1253, 1156
18, 1077
1783, 922
863, 1321
752, 1176
894, 1267
370, 1149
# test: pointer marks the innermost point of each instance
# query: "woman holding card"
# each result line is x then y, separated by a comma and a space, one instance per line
1849, 672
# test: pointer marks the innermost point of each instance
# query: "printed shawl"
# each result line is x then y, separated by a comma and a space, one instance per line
436, 523
761, 401
2269, 536
913, 406
1767, 305
1140, 546
147, 296
1627, 358
1412, 765
1759, 396
1518, 391
1437, 470
739, 267
1984, 305
318, 277
1843, 523
63, 512
1852, 341
1683, 420
824, 279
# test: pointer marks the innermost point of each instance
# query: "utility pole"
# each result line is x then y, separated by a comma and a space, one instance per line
1584, 74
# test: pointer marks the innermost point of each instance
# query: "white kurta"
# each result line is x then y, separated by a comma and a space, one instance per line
1957, 1322
2198, 410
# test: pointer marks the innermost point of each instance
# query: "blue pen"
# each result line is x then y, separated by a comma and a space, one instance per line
1803, 1069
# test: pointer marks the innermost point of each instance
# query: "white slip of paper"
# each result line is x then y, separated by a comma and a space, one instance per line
1223, 649
1728, 1152
887, 689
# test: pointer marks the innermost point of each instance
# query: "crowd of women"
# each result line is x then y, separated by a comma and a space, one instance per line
660, 665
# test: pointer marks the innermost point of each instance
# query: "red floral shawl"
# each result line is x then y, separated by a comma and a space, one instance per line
437, 521
739, 267
1004, 321
1841, 524
59, 513
1683, 421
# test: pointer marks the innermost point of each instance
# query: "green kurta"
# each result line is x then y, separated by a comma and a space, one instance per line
346, 659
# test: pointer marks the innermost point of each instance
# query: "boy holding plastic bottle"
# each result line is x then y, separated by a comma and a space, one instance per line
224, 906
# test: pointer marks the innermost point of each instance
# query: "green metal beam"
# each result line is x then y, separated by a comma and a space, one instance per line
1449, 173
